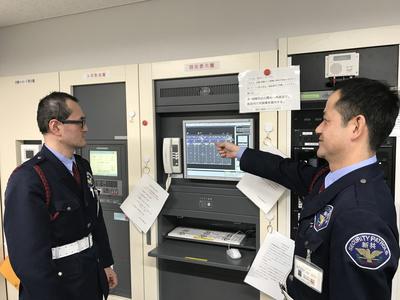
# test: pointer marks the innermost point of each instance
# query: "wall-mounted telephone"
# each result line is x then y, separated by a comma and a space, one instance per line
172, 155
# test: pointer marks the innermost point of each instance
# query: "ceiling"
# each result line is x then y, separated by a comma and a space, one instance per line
14, 12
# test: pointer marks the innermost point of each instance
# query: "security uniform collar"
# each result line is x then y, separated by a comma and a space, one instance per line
315, 202
66, 178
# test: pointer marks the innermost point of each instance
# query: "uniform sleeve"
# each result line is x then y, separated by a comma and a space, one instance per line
363, 257
294, 175
27, 230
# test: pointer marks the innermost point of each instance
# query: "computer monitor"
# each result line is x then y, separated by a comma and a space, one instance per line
201, 158
104, 162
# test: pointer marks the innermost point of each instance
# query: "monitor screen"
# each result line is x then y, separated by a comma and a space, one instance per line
201, 158
104, 162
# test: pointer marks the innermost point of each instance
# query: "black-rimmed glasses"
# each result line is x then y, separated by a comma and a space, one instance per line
81, 122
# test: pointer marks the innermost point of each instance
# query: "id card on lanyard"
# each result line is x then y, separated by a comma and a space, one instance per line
308, 273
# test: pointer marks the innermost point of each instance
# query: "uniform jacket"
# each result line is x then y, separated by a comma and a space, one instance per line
350, 227
31, 232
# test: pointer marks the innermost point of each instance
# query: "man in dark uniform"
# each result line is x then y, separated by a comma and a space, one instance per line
56, 236
347, 245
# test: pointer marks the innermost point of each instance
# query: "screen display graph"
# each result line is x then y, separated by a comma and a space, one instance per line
201, 158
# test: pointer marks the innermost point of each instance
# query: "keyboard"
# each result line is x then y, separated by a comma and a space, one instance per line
212, 236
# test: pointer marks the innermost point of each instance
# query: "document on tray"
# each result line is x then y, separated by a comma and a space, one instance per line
272, 265
144, 203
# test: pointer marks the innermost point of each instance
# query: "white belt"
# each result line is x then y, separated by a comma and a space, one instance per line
72, 248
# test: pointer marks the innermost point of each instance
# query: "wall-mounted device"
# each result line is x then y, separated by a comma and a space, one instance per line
172, 155
107, 151
342, 64
28, 151
201, 158
109, 164
104, 163
200, 217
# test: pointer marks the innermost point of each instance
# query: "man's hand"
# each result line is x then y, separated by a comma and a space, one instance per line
227, 149
111, 277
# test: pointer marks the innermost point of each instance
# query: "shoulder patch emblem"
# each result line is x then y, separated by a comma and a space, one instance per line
321, 218
368, 250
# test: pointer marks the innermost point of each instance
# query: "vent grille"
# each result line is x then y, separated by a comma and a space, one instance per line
210, 90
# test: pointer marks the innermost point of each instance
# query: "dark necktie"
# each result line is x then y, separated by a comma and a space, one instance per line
75, 172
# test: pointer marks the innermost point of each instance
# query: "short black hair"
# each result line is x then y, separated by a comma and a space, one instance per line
372, 99
53, 106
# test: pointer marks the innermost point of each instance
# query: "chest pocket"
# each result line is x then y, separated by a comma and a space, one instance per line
66, 206
59, 206
70, 222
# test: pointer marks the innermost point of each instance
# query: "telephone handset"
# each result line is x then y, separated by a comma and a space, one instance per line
172, 155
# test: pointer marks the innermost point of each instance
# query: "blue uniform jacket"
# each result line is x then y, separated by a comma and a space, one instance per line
31, 233
350, 227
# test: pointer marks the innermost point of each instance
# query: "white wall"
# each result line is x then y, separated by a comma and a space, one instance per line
159, 30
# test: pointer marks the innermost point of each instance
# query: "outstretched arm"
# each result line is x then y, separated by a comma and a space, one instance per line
227, 149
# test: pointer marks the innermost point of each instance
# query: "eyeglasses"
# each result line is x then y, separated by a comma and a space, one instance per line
81, 122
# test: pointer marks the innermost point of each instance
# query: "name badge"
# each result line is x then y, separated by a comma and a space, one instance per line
308, 273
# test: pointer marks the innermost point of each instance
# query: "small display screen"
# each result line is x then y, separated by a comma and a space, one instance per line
201, 158
104, 162
342, 57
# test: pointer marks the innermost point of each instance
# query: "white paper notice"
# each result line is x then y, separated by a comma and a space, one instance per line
262, 192
144, 203
280, 90
272, 149
396, 129
272, 265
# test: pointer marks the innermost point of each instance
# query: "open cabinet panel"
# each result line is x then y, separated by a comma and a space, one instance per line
182, 91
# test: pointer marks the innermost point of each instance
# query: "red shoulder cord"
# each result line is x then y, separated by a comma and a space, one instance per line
47, 191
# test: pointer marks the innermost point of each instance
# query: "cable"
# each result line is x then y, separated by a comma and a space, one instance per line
168, 182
